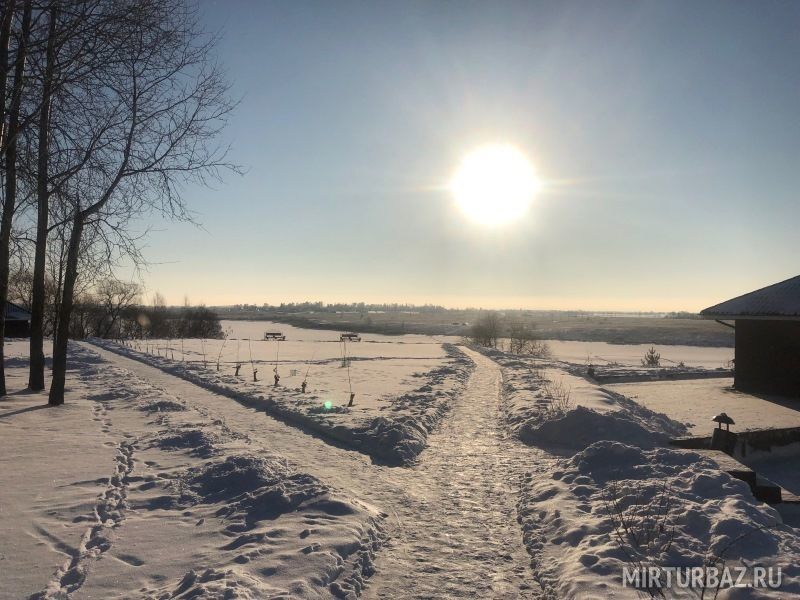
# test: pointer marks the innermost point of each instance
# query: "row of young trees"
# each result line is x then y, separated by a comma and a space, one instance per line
107, 108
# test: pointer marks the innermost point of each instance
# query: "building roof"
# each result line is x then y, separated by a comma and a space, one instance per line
15, 312
779, 301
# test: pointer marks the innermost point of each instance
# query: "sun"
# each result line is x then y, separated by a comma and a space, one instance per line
495, 184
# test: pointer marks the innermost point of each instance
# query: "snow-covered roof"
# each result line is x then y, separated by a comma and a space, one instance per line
16, 313
777, 301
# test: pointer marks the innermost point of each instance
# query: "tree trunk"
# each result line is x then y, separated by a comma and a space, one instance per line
10, 200
36, 376
5, 36
65, 312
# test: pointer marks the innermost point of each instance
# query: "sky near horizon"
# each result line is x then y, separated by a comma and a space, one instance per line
666, 136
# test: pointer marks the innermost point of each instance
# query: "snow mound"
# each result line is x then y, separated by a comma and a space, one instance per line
538, 395
613, 505
210, 584
582, 426
399, 440
200, 442
606, 460
272, 500
161, 405
237, 474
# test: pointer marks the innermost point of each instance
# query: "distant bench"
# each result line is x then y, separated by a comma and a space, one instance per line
349, 337
274, 335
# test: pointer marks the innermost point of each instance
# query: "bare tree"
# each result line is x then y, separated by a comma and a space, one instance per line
114, 298
10, 146
76, 43
5, 40
156, 111
38, 288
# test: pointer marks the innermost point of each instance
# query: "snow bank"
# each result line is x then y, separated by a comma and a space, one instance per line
582, 426
613, 505
547, 406
395, 433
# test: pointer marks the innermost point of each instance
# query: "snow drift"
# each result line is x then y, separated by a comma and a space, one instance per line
613, 504
583, 426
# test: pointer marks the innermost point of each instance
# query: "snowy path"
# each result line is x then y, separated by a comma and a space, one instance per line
452, 517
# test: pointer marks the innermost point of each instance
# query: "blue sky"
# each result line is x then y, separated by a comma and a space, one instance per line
667, 135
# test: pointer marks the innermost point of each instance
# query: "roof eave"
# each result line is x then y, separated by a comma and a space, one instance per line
742, 317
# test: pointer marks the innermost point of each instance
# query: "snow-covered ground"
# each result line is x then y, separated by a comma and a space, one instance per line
624, 499
161, 479
402, 388
600, 353
694, 402
451, 526
614, 505
574, 352
380, 366
128, 491
545, 405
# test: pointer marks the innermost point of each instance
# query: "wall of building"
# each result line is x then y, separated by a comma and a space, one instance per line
768, 356
17, 329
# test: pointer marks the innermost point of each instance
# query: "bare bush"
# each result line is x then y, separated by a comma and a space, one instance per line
643, 521
523, 339
486, 330
560, 396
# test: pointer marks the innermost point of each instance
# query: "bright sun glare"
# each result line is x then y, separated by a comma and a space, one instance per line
495, 184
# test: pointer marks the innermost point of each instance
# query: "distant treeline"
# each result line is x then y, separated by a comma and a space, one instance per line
114, 309
355, 307
142, 322
682, 315
364, 308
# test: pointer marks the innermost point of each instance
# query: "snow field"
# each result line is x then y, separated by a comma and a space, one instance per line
414, 395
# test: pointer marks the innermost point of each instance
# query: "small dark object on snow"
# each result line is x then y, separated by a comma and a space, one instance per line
723, 418
303, 387
277, 379
237, 370
723, 439
255, 374
352, 397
